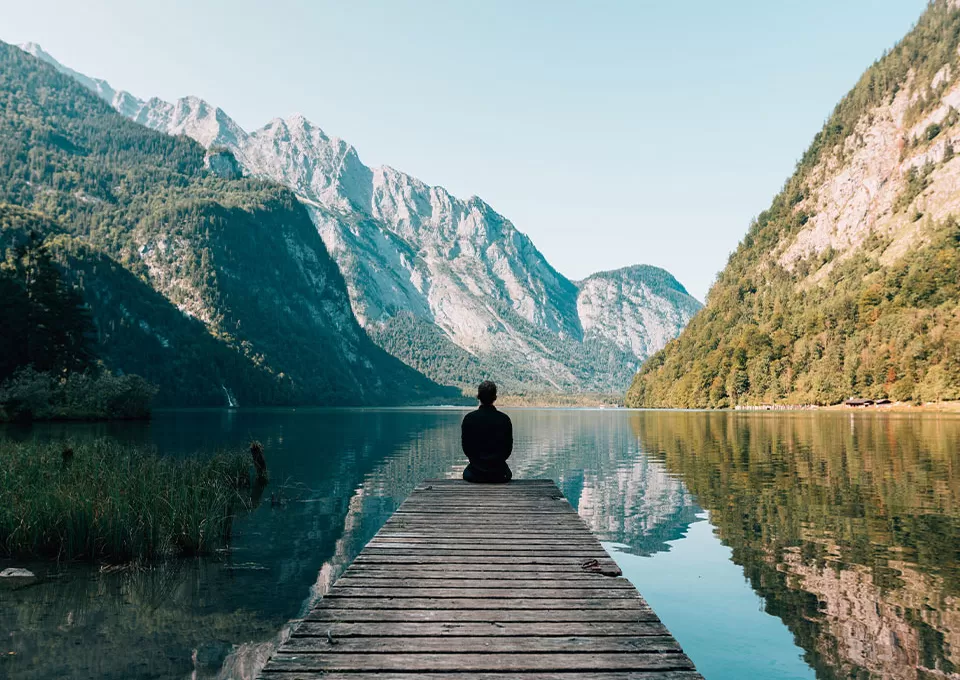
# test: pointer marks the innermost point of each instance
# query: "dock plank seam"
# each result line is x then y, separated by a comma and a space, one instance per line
486, 582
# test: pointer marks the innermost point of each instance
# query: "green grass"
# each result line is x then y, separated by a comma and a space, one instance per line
115, 502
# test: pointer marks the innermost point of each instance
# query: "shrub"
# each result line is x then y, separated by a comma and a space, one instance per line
32, 395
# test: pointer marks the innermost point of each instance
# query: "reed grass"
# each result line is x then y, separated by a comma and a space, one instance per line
102, 500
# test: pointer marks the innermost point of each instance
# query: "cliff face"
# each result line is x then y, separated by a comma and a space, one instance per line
846, 285
240, 258
637, 308
474, 291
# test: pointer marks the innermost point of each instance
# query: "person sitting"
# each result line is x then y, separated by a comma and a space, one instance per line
487, 439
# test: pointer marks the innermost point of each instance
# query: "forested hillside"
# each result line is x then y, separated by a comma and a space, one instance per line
206, 285
848, 284
449, 286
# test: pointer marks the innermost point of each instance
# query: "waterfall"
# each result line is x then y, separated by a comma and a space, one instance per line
231, 400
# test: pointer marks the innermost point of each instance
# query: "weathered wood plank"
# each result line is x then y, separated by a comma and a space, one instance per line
432, 527
494, 499
412, 662
499, 542
395, 675
481, 583
639, 615
527, 516
487, 499
490, 501
465, 572
528, 495
485, 593
509, 550
397, 536
485, 530
432, 531
488, 525
519, 512
447, 549
488, 496
507, 499
485, 546
514, 596
460, 570
452, 481
438, 543
468, 645
549, 521
462, 489
466, 555
334, 602
466, 493
514, 522
515, 560
479, 579
519, 516
491, 526
493, 502
338, 630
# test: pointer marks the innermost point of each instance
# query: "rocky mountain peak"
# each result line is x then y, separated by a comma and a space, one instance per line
299, 154
418, 261
637, 308
191, 116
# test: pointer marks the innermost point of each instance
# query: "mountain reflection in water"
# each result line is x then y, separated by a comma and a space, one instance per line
847, 525
846, 528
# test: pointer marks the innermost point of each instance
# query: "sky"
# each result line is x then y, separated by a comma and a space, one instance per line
612, 133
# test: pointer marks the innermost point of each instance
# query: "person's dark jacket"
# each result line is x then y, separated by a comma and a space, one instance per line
487, 438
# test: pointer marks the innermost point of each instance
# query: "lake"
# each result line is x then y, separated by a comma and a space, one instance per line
773, 545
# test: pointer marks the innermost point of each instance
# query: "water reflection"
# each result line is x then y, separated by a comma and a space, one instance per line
847, 526
218, 617
847, 530
347, 471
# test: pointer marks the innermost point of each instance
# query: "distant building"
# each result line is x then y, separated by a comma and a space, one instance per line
859, 402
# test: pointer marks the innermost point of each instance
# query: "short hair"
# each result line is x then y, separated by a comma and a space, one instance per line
487, 392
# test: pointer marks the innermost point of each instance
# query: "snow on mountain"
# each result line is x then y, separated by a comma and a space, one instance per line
409, 249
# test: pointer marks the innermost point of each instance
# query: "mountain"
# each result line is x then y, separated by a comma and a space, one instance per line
449, 286
635, 307
219, 290
848, 284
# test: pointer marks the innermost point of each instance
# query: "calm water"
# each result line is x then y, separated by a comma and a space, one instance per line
773, 545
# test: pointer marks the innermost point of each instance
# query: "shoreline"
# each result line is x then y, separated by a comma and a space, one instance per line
573, 403
895, 407
902, 407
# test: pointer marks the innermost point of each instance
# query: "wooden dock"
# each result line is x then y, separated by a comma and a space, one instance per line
487, 582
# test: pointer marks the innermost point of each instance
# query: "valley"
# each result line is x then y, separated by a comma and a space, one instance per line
449, 286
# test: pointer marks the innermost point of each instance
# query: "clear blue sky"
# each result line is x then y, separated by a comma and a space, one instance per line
613, 133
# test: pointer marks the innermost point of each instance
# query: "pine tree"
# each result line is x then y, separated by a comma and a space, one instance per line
49, 326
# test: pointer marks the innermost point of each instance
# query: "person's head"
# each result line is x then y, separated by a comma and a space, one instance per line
487, 392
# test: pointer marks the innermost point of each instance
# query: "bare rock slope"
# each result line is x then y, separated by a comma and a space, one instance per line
448, 285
